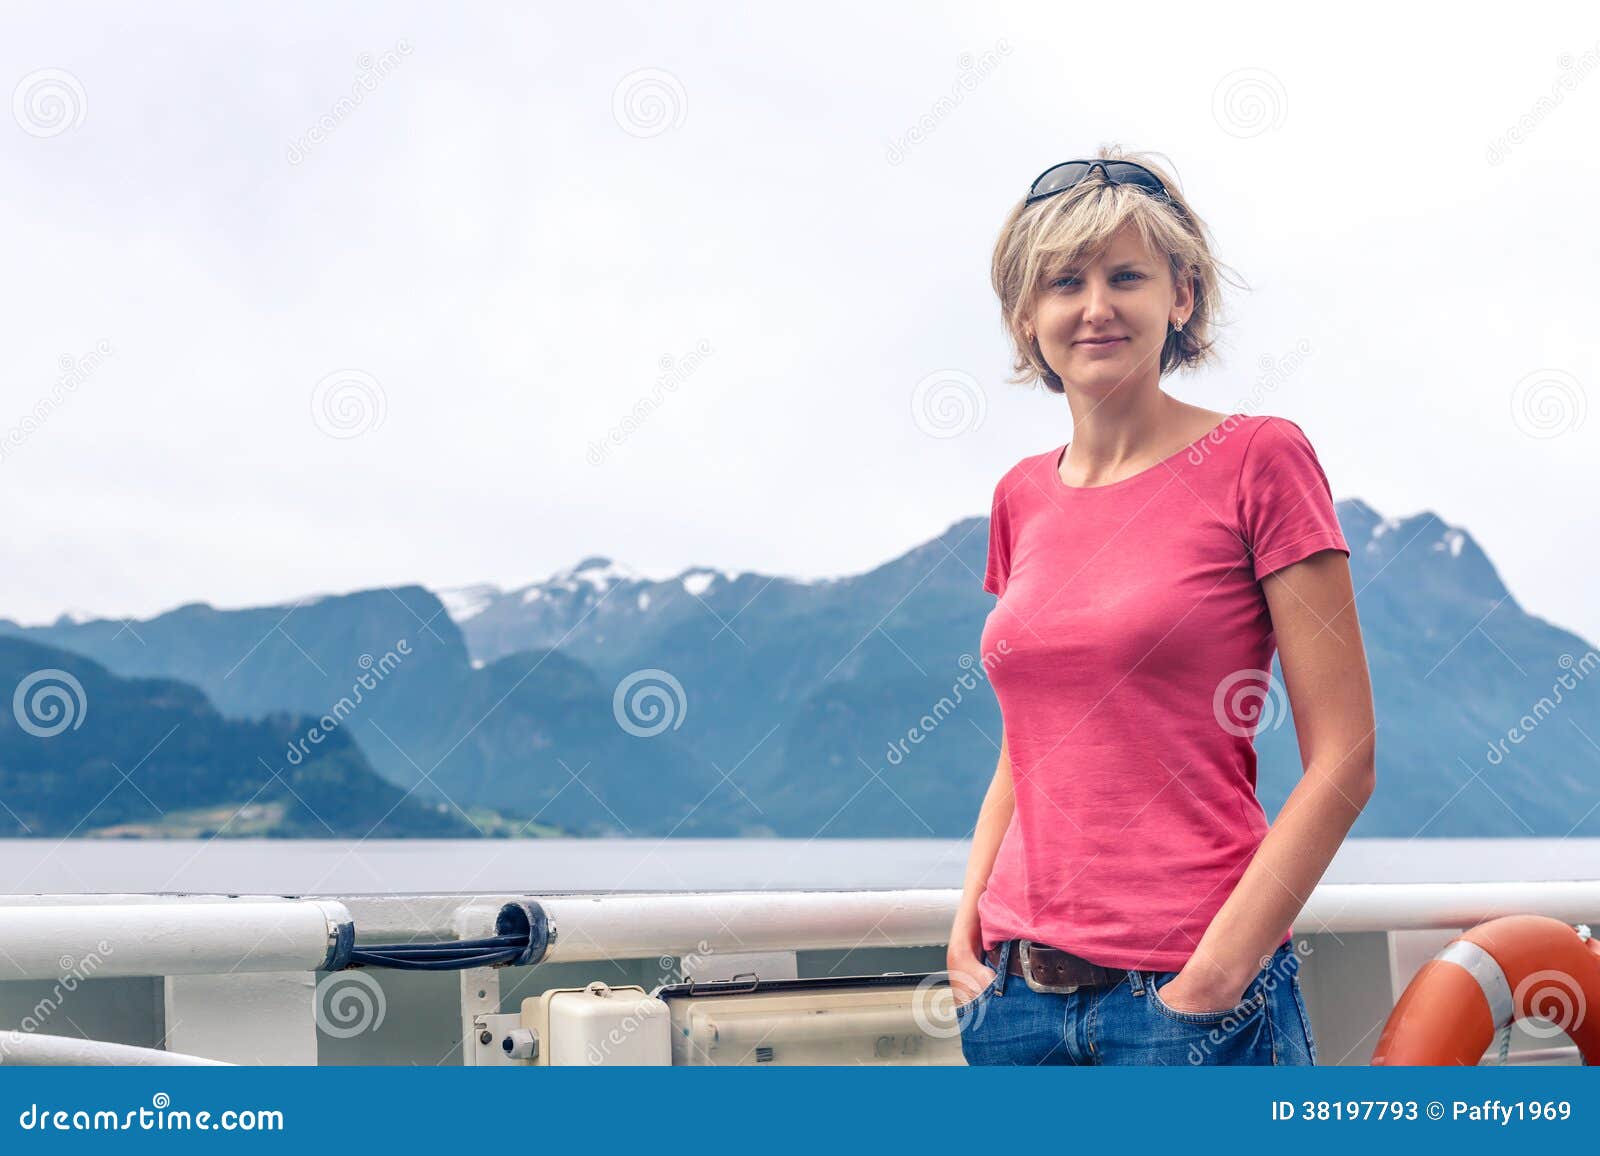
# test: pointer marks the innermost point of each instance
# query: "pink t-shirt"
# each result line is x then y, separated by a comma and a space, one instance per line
1134, 672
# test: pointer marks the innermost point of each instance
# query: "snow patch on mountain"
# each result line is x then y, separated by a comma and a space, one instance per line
464, 602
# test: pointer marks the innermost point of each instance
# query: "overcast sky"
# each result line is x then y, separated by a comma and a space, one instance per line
459, 293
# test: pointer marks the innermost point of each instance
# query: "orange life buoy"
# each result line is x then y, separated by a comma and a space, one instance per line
1490, 976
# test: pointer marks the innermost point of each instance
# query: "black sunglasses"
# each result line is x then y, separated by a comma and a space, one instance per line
1060, 178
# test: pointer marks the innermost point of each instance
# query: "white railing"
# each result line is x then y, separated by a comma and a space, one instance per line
240, 972
170, 936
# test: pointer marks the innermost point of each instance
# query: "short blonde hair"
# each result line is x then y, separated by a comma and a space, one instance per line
1072, 228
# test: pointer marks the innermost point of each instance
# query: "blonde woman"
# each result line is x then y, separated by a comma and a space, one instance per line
1125, 900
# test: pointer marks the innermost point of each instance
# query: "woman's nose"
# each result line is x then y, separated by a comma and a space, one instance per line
1097, 302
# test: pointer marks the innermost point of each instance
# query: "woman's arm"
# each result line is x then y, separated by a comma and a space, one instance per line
1325, 672
964, 957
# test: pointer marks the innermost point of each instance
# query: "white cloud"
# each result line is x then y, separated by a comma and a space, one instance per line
485, 240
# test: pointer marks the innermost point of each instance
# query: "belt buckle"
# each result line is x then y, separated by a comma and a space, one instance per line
1027, 974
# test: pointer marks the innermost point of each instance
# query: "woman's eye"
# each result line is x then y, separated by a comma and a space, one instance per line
1059, 281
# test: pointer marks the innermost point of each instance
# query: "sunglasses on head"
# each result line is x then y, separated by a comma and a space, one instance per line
1060, 178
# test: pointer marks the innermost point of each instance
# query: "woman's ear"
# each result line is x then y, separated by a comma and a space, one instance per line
1185, 292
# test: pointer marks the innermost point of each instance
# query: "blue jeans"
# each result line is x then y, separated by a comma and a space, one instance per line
1010, 1023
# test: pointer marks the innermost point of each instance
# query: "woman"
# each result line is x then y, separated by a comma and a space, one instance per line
1125, 899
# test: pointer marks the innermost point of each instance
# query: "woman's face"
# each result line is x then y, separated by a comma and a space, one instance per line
1102, 326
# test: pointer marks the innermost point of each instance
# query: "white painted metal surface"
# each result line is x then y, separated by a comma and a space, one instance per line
31, 1050
622, 926
258, 1018
1340, 907
598, 1026
101, 940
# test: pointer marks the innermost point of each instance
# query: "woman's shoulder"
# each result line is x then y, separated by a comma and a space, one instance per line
1254, 435
1271, 433
1028, 468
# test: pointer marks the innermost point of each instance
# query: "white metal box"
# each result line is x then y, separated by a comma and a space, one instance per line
599, 1025
802, 1022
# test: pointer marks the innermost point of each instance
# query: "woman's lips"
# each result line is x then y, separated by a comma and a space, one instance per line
1100, 345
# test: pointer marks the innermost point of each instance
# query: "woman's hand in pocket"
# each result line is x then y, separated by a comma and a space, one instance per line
969, 974
1181, 993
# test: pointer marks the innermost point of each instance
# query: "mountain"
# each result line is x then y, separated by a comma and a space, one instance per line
1488, 721
85, 752
1457, 665
532, 734
718, 703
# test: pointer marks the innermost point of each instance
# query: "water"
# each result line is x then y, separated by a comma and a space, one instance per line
391, 866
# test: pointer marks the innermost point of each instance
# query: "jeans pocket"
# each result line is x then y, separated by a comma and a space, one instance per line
1254, 1002
1305, 1018
977, 999
988, 990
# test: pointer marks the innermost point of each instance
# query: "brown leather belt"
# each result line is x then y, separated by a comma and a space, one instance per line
1046, 968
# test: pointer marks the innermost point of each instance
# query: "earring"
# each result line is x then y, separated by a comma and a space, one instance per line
1177, 327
